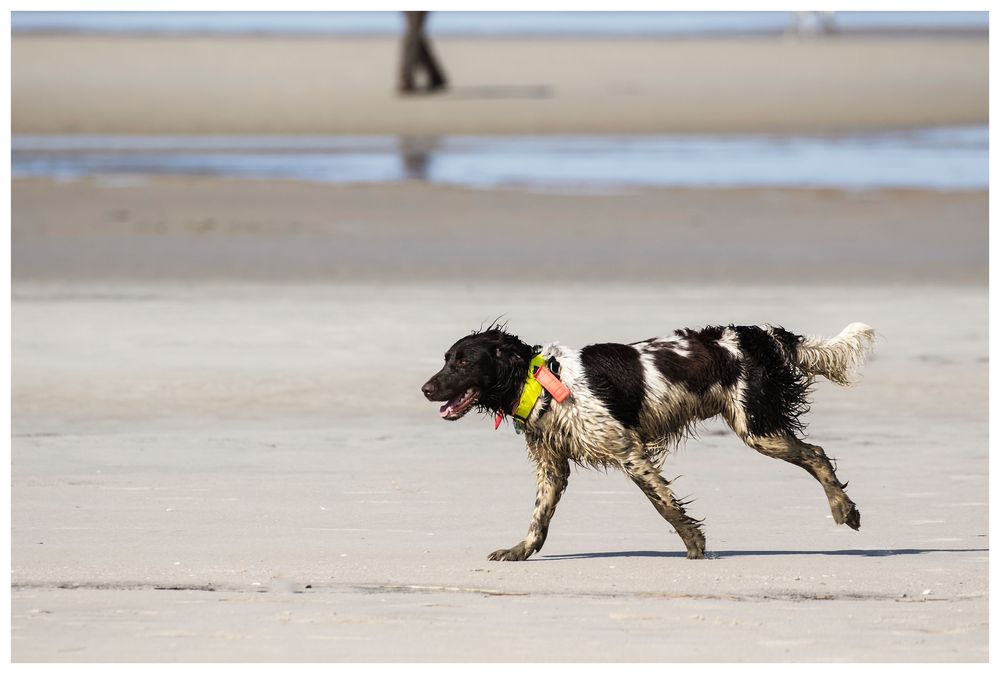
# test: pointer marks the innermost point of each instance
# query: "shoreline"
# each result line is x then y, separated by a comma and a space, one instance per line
940, 159
841, 34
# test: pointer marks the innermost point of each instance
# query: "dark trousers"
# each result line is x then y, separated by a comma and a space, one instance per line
417, 55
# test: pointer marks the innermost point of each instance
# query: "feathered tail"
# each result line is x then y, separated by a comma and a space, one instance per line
837, 358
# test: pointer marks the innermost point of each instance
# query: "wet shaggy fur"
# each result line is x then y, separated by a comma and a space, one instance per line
631, 403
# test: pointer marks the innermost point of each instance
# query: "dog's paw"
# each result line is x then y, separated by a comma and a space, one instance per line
695, 545
696, 549
853, 518
845, 512
518, 553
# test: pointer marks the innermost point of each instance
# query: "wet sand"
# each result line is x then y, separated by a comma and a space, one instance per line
218, 229
256, 84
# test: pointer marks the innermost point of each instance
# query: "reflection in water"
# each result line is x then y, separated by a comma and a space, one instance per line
942, 158
415, 152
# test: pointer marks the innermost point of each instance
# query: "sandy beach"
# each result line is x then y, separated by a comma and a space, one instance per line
219, 229
247, 84
220, 450
220, 472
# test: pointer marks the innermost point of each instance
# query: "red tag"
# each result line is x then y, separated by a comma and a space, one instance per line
499, 419
552, 384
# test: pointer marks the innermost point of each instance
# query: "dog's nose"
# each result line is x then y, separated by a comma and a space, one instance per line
428, 389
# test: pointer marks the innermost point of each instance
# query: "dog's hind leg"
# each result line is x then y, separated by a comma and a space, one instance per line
657, 490
813, 459
552, 475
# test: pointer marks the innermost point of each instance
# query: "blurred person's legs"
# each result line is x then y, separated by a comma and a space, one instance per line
417, 54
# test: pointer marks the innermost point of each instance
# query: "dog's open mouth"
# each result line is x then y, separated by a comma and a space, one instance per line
457, 407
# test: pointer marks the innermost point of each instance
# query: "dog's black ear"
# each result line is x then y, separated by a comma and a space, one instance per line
510, 348
510, 358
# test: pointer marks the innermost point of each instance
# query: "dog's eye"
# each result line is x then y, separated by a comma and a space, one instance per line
462, 363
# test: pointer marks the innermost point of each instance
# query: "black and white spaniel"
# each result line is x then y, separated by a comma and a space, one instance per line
628, 404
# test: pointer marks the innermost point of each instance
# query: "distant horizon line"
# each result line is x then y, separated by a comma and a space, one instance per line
500, 24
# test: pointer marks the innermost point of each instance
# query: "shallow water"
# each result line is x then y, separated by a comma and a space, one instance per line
482, 23
941, 159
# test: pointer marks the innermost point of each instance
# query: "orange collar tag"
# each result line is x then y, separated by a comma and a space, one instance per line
552, 384
541, 378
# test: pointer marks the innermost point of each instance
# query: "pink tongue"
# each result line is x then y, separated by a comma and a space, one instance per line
449, 407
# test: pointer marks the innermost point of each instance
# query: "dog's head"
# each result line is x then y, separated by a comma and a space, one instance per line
485, 370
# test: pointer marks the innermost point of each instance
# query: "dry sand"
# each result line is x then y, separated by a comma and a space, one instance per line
240, 472
240, 466
101, 84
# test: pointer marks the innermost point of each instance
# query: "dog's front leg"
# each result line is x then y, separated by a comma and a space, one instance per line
552, 476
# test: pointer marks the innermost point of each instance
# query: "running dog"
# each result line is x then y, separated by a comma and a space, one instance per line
625, 405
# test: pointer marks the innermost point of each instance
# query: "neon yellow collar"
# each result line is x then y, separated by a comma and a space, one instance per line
531, 392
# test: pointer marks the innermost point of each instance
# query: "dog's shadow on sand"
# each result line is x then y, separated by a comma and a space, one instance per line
721, 554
